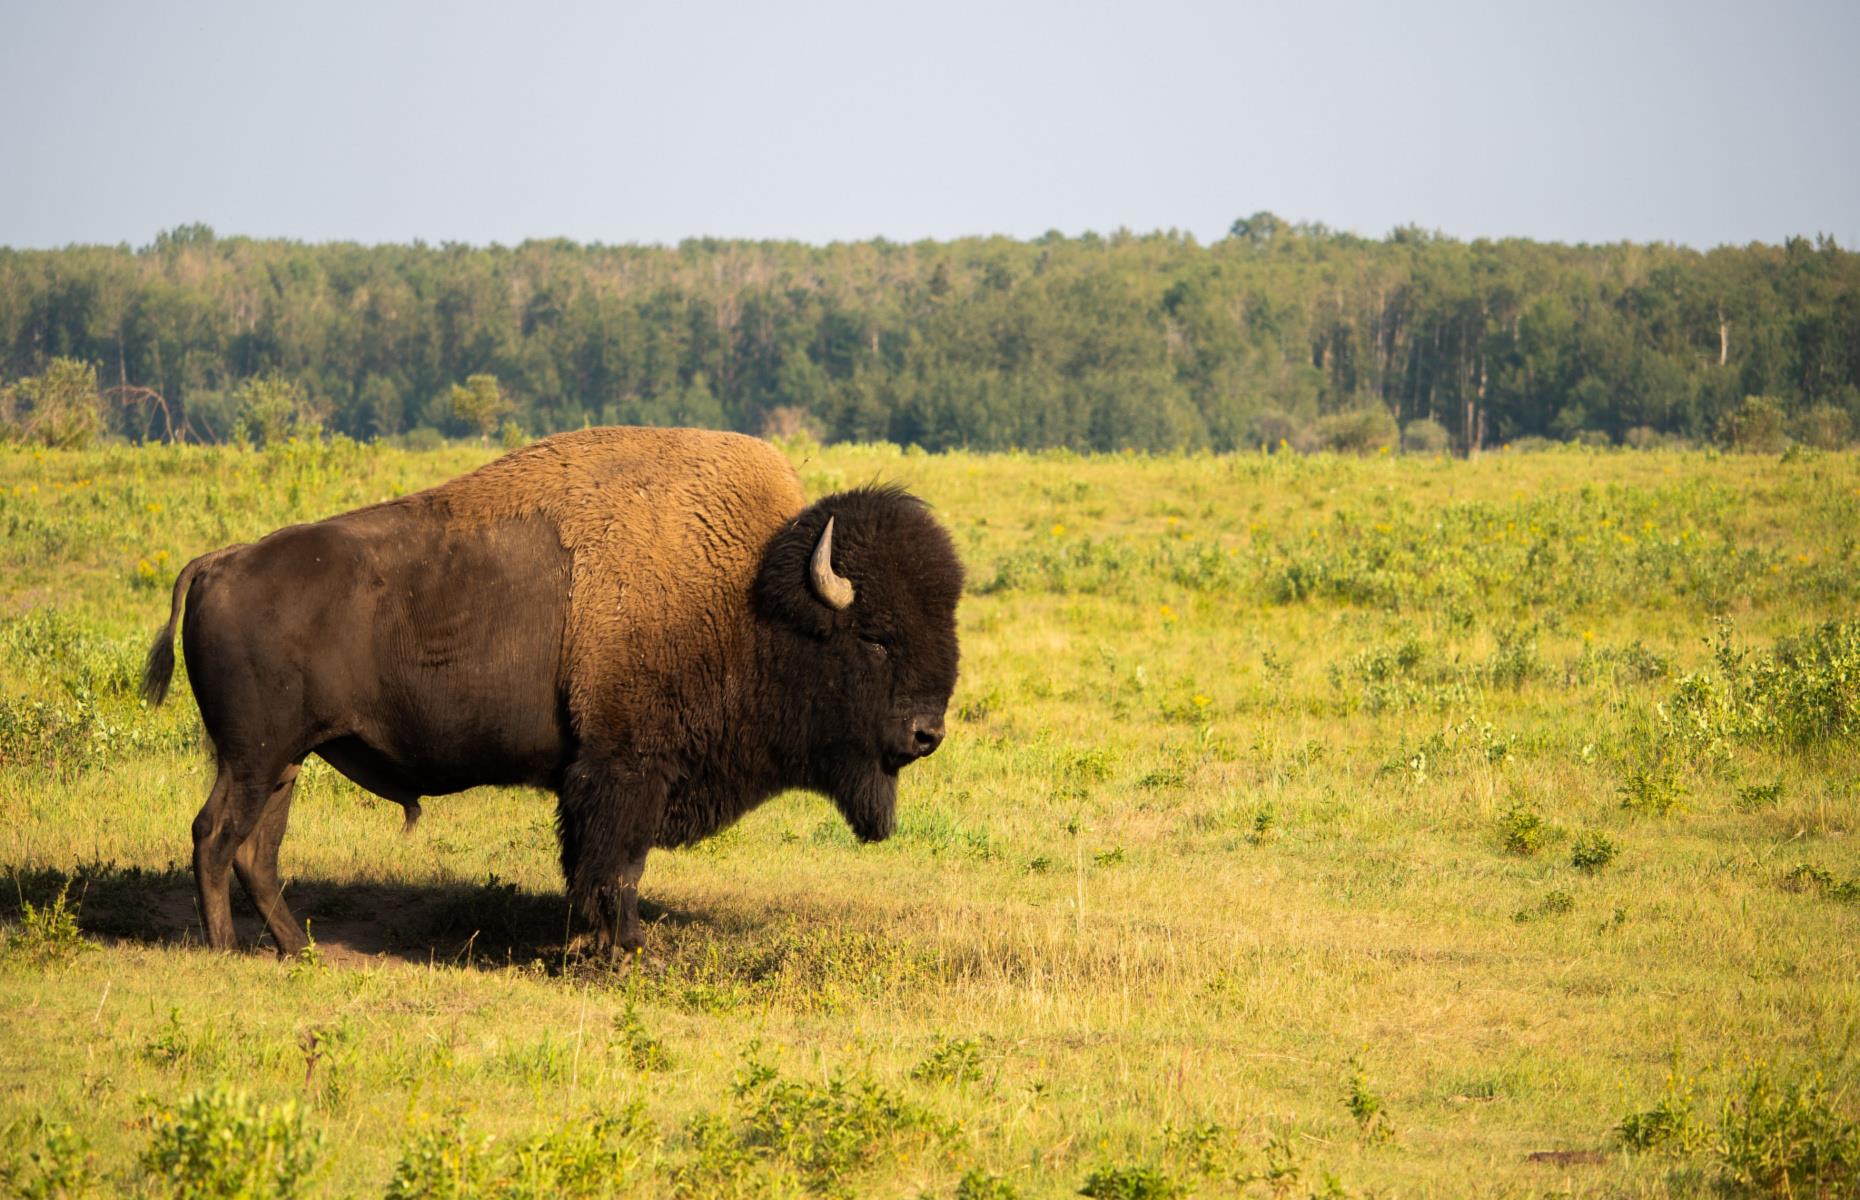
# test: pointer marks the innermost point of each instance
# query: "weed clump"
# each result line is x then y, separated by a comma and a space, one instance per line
1265, 820
1652, 789
1803, 693
59, 1167
644, 1051
1514, 662
977, 1184
1756, 796
1789, 1138
951, 1060
1592, 852
1785, 1138
591, 1158
789, 1135
222, 1143
1367, 1108
442, 1163
46, 936
1805, 877
1671, 1125
1210, 1149
1131, 1183
1556, 903
597, 1155
1522, 830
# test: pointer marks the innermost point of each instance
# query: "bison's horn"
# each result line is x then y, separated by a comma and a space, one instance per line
834, 590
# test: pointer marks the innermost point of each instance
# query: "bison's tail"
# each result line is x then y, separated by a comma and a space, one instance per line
160, 668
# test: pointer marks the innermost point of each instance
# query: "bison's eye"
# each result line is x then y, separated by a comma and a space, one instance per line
874, 647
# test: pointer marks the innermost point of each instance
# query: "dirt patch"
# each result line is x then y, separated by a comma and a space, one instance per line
1568, 1158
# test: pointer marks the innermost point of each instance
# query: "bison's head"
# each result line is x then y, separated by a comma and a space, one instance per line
864, 584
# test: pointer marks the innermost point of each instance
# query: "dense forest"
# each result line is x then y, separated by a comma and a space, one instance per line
1278, 331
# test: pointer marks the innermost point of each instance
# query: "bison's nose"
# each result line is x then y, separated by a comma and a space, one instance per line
926, 734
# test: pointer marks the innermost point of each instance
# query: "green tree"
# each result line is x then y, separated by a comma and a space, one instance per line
481, 404
271, 409
1756, 427
58, 407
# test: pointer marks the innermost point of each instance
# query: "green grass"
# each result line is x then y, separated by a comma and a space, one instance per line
1306, 826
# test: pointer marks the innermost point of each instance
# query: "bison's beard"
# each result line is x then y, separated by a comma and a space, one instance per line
866, 795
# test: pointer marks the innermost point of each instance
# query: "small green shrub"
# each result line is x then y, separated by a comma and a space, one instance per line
442, 1163
1806, 692
1283, 1169
177, 1046
46, 936
1651, 788
222, 1143
273, 409
1521, 830
57, 1165
597, 1156
1755, 796
1805, 877
1672, 1123
818, 1133
1131, 1183
1556, 903
1210, 1149
642, 1050
720, 1165
1790, 1138
977, 1184
951, 1060
1514, 661
1592, 852
1367, 1109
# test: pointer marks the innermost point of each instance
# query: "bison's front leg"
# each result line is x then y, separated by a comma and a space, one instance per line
607, 816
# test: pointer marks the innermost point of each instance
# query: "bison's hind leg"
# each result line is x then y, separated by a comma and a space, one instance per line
256, 862
235, 808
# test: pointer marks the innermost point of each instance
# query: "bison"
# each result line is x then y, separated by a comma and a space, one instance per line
652, 624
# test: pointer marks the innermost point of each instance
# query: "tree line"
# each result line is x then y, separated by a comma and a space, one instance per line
1277, 333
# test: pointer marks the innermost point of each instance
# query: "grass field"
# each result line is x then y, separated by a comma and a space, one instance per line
1307, 826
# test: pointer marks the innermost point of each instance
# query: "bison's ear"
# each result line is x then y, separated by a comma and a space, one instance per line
796, 582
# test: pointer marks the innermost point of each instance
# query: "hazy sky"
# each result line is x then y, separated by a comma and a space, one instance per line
1698, 122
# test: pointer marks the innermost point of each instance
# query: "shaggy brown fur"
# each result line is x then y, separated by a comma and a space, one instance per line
664, 528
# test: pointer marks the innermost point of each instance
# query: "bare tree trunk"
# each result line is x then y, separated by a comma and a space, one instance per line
1476, 434
1724, 339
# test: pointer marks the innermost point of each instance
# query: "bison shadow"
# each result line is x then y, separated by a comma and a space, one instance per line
489, 924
